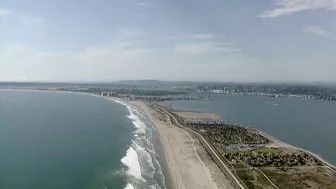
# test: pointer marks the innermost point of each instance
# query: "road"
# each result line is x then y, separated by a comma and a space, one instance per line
204, 141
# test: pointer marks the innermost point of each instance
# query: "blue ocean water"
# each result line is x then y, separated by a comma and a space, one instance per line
53, 140
309, 124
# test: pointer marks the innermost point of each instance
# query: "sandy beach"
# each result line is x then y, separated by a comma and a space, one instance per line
189, 164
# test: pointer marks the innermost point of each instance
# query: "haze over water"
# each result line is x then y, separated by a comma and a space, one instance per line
309, 124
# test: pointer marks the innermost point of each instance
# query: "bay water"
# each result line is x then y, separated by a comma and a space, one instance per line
53, 140
308, 124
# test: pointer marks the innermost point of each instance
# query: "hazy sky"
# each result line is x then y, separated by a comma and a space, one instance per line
212, 40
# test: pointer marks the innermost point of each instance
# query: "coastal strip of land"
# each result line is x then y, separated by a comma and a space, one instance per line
190, 115
250, 158
189, 164
276, 143
261, 161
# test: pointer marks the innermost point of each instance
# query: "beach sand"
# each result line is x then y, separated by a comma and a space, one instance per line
189, 165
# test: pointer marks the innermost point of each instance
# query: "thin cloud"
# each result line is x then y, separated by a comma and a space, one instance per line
21, 78
204, 47
141, 4
5, 12
316, 30
287, 7
203, 36
173, 37
123, 32
28, 19
112, 61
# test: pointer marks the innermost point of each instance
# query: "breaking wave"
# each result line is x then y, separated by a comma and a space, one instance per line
131, 162
129, 186
140, 162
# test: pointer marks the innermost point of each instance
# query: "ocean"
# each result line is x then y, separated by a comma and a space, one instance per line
53, 140
308, 124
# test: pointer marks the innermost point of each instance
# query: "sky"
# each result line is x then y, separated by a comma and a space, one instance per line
190, 40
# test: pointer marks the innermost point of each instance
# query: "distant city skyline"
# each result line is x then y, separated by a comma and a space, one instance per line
221, 41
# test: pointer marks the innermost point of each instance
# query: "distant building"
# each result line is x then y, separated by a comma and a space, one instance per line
218, 91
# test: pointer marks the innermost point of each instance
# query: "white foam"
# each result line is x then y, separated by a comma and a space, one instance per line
131, 161
147, 166
120, 102
129, 186
138, 124
136, 111
137, 152
137, 147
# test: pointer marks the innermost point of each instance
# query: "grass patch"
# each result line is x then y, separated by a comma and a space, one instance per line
230, 151
239, 165
247, 178
253, 179
267, 150
299, 178
263, 181
260, 150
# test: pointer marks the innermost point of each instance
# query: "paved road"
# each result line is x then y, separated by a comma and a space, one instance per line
219, 160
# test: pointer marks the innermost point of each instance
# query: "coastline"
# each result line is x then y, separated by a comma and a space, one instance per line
279, 143
158, 146
162, 178
168, 181
189, 166
168, 170
159, 150
157, 143
196, 170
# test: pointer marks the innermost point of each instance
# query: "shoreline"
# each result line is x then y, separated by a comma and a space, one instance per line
157, 143
158, 147
161, 157
188, 163
286, 145
270, 137
281, 143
